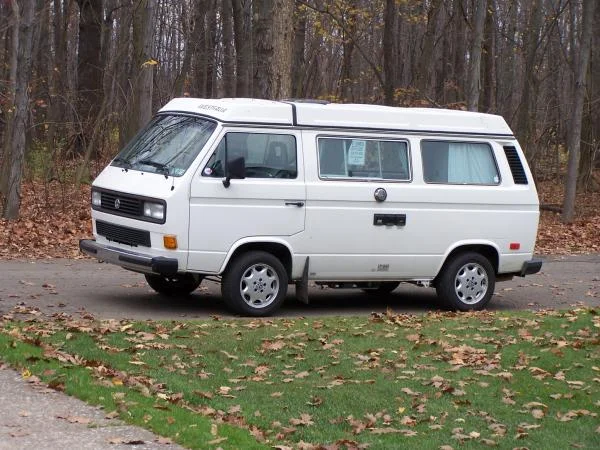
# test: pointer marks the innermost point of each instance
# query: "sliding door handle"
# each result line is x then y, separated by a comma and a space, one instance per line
294, 203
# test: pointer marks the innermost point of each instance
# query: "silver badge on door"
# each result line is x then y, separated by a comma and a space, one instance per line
380, 194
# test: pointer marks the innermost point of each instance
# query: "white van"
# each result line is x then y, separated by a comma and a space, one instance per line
261, 194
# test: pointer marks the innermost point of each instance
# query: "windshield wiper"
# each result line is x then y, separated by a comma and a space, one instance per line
160, 166
123, 162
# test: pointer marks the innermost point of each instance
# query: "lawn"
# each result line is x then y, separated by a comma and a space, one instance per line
439, 380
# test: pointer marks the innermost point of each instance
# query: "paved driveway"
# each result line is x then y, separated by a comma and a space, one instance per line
108, 291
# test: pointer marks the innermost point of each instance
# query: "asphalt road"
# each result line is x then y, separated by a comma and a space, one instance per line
108, 291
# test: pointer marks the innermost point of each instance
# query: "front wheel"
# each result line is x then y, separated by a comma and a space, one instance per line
467, 282
174, 285
255, 284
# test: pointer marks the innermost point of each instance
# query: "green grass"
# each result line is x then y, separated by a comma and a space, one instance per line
389, 381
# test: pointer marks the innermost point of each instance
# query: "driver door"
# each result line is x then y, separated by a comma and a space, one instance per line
269, 202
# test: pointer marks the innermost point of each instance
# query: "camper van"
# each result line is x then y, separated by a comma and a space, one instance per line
262, 194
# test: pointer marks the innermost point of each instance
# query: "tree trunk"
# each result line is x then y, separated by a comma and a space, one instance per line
590, 131
347, 61
425, 61
10, 99
574, 133
228, 50
273, 48
89, 65
489, 57
210, 49
25, 11
140, 104
526, 116
389, 40
193, 46
263, 47
299, 61
475, 54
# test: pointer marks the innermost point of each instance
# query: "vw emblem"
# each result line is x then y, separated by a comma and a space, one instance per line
117, 204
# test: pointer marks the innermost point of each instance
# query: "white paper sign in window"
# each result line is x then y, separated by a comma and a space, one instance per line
356, 153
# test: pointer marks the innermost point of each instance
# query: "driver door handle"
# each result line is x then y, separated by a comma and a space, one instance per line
294, 203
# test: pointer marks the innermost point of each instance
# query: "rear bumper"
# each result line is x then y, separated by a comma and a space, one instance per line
137, 262
530, 267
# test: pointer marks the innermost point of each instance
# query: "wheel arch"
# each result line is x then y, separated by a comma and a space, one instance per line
278, 248
485, 248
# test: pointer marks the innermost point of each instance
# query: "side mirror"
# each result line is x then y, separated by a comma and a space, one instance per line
235, 170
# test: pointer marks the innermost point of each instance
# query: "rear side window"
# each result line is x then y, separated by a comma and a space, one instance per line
363, 159
459, 163
266, 155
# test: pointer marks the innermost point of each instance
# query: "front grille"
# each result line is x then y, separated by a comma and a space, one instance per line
123, 235
122, 204
126, 205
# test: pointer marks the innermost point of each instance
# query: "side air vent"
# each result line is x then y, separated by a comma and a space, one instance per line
516, 167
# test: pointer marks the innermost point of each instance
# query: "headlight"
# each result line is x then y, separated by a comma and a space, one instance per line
154, 210
96, 198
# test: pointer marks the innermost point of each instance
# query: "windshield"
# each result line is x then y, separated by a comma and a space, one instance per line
168, 145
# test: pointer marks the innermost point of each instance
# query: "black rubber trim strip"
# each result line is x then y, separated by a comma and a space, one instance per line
164, 266
531, 267
85, 244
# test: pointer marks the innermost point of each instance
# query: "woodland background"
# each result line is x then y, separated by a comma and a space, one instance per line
78, 78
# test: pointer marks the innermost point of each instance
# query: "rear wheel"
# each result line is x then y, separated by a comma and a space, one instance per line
255, 284
467, 282
174, 285
385, 287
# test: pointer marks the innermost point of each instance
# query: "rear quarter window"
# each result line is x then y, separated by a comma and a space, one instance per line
459, 163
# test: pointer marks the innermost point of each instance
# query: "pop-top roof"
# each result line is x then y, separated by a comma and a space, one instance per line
313, 114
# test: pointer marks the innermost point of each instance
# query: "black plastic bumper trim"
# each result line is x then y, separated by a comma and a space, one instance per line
129, 260
531, 267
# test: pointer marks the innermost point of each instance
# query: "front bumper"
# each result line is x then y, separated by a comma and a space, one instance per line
530, 267
129, 260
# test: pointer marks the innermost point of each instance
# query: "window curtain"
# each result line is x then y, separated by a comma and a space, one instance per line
471, 164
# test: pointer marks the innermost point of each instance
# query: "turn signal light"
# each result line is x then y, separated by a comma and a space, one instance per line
515, 246
170, 241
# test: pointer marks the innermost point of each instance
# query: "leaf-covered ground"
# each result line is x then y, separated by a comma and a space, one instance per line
440, 380
55, 216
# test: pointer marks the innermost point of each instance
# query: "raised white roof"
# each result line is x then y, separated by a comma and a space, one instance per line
312, 114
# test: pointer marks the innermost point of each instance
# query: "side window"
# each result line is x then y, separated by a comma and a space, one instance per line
266, 155
363, 159
458, 163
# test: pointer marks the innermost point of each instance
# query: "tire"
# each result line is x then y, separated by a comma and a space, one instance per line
383, 288
466, 282
174, 285
254, 284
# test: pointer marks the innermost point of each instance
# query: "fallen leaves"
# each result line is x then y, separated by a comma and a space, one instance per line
436, 385
76, 419
304, 420
52, 219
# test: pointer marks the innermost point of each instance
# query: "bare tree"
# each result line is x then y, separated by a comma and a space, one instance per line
23, 11
574, 134
273, 48
89, 65
140, 102
389, 40
243, 49
475, 55
228, 49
